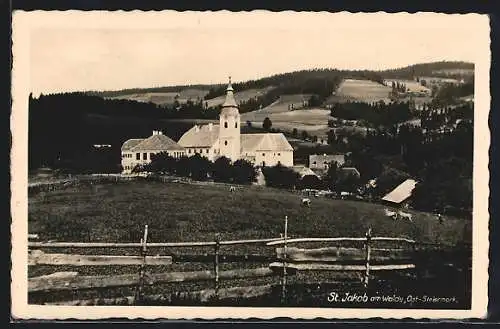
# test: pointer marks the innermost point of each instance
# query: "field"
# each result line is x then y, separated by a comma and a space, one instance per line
166, 98
362, 91
178, 212
455, 71
182, 212
314, 121
439, 80
244, 95
414, 86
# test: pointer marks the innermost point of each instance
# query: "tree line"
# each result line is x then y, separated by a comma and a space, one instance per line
376, 114
200, 168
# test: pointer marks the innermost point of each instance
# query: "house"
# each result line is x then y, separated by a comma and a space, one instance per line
304, 171
139, 151
349, 171
322, 161
225, 139
401, 193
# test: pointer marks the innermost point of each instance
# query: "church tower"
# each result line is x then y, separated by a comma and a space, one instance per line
229, 129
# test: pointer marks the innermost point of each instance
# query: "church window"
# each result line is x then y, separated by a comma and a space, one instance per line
263, 154
225, 124
225, 142
236, 125
279, 154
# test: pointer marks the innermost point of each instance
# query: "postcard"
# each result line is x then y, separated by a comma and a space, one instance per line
235, 165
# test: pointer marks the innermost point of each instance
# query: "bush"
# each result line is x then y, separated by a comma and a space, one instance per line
199, 167
222, 170
243, 172
280, 177
311, 182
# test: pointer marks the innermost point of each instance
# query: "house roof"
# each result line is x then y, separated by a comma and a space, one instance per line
158, 142
350, 170
304, 171
200, 136
264, 142
131, 143
401, 192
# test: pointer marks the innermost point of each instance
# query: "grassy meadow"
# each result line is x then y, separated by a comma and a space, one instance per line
182, 212
362, 91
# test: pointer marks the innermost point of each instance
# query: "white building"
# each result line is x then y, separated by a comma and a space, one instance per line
323, 161
138, 151
225, 139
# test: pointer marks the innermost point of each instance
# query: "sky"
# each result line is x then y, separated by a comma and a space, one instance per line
110, 51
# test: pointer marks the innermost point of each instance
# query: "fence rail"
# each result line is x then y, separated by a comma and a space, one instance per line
285, 261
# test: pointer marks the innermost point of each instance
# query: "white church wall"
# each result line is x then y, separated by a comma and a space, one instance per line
271, 158
211, 153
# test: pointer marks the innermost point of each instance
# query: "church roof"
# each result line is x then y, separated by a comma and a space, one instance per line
229, 107
157, 142
200, 136
264, 142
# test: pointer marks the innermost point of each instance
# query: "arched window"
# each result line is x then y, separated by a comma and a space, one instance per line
225, 142
236, 125
225, 124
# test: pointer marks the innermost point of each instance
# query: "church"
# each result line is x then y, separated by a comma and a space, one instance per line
213, 141
226, 139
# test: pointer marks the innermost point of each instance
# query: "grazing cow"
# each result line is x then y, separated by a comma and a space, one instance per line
391, 214
306, 202
405, 215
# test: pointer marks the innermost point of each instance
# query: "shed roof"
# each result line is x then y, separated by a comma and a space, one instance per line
401, 192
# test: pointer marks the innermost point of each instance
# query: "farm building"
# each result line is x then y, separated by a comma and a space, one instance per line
322, 161
139, 151
225, 139
401, 193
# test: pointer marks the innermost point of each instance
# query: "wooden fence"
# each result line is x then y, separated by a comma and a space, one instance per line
285, 261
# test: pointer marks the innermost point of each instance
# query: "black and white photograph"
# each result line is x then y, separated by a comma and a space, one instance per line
249, 164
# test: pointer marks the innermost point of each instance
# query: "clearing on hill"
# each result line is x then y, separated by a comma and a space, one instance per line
362, 91
240, 96
166, 98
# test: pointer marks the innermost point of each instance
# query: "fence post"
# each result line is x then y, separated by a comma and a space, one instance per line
368, 252
139, 294
283, 292
216, 265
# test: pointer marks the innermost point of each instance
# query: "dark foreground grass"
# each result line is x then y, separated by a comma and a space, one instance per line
181, 212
